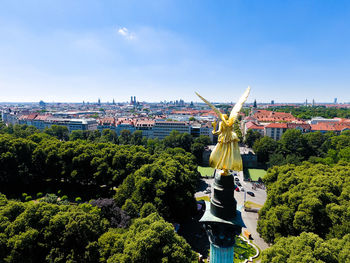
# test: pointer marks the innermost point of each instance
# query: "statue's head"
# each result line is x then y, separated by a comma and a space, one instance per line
225, 116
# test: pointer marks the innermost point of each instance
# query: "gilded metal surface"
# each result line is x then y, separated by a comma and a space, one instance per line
226, 155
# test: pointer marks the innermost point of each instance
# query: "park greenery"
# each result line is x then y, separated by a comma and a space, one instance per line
242, 250
161, 172
88, 196
307, 112
134, 185
45, 232
306, 214
295, 147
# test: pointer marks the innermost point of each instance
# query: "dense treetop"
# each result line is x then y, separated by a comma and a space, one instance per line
44, 232
308, 248
313, 198
148, 240
140, 178
295, 147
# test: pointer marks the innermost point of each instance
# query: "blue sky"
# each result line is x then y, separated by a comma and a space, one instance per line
78, 50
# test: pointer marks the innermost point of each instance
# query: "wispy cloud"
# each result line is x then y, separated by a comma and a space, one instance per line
123, 31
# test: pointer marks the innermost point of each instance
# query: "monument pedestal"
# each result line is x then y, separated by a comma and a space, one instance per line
221, 219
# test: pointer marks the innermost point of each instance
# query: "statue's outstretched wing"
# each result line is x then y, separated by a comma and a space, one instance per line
211, 106
235, 110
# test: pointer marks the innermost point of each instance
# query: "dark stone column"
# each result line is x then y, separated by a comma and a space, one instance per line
222, 221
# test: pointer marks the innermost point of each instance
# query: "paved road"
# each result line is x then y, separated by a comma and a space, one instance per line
250, 219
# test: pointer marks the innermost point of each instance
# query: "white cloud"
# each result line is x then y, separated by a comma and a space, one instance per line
123, 31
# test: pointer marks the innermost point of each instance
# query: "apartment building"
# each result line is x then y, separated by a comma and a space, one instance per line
146, 126
106, 123
275, 130
161, 129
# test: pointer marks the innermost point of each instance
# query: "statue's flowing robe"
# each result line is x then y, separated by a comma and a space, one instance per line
226, 153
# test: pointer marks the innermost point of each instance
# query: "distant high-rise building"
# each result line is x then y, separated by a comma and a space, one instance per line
99, 101
42, 104
313, 102
113, 102
272, 102
131, 101
306, 102
254, 104
134, 99
335, 100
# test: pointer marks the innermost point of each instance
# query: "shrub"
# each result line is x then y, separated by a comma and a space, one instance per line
64, 198
49, 198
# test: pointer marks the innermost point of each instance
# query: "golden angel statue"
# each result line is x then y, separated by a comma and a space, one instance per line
226, 155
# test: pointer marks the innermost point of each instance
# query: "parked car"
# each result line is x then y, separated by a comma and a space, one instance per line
250, 193
237, 189
238, 183
242, 189
236, 179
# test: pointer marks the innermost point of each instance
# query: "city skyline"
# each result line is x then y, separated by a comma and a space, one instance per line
82, 51
102, 102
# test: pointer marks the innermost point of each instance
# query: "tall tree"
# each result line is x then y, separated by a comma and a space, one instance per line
149, 240
264, 147
250, 137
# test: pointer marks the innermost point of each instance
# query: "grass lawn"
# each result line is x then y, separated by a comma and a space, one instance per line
242, 251
206, 171
254, 174
250, 204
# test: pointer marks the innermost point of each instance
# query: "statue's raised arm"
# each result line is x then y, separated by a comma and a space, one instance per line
235, 110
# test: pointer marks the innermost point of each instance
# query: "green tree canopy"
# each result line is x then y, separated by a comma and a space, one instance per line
306, 248
250, 137
149, 240
264, 147
306, 198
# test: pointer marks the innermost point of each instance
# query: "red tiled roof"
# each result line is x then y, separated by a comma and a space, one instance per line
185, 112
304, 126
277, 125
272, 116
250, 118
327, 126
28, 117
145, 122
257, 127
254, 126
107, 120
42, 117
343, 120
